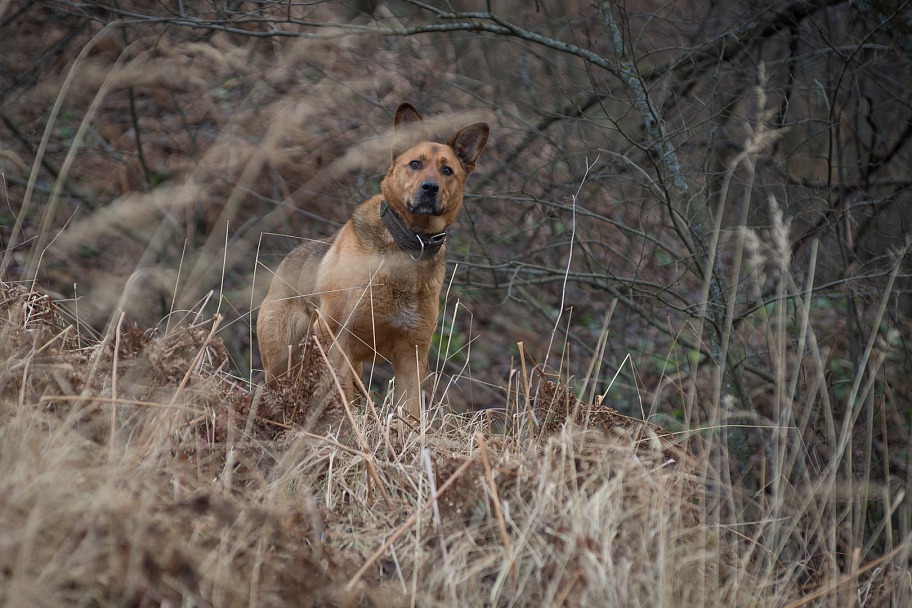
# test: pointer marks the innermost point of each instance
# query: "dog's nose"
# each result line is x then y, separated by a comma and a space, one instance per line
429, 188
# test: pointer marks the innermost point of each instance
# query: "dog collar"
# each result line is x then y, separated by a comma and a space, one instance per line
421, 243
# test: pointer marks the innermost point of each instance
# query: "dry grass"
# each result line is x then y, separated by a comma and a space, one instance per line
175, 483
169, 484
142, 465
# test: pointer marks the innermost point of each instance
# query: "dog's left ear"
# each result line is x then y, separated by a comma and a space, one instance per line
468, 143
408, 129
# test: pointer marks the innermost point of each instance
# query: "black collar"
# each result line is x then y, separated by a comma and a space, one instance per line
421, 243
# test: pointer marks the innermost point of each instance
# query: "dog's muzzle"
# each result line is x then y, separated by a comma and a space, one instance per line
426, 200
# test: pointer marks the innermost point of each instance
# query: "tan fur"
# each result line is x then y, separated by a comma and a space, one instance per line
375, 297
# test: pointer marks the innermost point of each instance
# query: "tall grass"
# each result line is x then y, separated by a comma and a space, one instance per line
140, 470
143, 467
188, 497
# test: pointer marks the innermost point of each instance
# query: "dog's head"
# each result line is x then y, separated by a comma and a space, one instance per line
425, 181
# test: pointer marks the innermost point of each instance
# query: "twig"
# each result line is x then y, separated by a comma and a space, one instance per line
560, 310
848, 578
495, 499
432, 483
117, 335
562, 598
334, 443
216, 321
429, 471
525, 379
90, 398
231, 458
371, 465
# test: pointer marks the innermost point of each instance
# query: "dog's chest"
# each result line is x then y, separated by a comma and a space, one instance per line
406, 299
373, 294
403, 315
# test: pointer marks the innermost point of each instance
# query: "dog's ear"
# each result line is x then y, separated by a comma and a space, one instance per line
409, 130
468, 143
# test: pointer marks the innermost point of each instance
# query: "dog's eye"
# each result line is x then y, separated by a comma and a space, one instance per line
415, 164
446, 170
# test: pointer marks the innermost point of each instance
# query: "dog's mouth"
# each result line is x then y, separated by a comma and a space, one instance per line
423, 208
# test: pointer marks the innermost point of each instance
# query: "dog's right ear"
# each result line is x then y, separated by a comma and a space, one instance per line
409, 130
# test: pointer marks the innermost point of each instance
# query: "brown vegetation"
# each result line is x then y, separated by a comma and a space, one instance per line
136, 472
696, 213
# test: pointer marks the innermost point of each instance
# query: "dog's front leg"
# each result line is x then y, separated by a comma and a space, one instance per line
409, 368
345, 371
338, 352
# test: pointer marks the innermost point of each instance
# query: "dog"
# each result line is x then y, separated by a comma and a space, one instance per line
377, 281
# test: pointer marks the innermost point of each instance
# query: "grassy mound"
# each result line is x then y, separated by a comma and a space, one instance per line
138, 472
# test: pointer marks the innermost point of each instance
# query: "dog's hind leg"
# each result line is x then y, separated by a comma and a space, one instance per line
282, 324
286, 314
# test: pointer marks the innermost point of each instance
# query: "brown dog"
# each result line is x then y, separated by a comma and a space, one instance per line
377, 282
